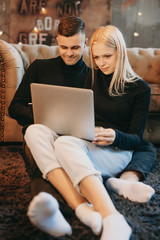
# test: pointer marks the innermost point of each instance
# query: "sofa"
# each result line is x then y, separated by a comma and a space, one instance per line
15, 59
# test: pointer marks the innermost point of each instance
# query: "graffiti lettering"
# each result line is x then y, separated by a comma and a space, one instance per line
68, 8
33, 38
47, 25
31, 7
36, 38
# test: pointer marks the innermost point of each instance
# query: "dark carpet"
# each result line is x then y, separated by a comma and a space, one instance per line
15, 195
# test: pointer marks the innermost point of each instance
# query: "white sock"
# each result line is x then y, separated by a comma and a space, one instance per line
87, 215
44, 213
115, 227
134, 191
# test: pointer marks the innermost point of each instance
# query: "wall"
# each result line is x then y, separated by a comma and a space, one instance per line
4, 19
139, 21
35, 21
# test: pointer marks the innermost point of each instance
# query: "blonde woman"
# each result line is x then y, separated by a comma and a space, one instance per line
121, 108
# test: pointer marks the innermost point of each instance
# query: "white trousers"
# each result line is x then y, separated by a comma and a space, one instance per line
79, 158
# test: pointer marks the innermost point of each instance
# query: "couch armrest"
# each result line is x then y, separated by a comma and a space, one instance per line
11, 71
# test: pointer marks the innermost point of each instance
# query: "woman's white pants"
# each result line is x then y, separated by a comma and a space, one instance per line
79, 158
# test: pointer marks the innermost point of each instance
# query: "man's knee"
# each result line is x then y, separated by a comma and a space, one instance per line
36, 131
31, 129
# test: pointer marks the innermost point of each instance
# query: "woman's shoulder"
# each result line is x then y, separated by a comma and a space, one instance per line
140, 85
142, 82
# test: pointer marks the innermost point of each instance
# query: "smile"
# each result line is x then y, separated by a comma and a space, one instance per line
105, 69
70, 58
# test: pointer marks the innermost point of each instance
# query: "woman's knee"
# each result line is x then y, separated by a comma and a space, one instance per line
67, 141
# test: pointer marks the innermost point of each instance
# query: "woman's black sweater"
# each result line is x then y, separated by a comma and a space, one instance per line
126, 114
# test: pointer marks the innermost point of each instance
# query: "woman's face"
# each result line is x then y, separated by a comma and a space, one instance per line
104, 57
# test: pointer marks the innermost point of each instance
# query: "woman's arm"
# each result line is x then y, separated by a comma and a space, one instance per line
133, 137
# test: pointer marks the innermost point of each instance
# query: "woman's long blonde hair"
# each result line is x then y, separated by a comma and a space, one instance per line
113, 38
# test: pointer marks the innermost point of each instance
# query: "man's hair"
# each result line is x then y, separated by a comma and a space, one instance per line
70, 26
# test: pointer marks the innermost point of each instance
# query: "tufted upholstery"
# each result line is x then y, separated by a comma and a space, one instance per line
146, 63
14, 60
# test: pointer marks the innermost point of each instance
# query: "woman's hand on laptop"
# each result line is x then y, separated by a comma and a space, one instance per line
104, 136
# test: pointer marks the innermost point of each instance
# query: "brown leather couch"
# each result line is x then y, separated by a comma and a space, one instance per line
14, 60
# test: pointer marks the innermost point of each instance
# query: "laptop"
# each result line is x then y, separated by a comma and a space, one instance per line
65, 110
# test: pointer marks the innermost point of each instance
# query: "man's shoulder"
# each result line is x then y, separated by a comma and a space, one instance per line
44, 64
46, 61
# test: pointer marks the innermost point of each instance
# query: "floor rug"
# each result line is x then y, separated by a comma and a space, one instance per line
15, 195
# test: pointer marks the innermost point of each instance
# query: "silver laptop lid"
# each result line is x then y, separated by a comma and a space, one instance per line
65, 110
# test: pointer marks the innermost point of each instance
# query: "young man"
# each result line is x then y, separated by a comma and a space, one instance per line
69, 70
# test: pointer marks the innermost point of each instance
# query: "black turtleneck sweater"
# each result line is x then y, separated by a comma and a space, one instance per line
126, 114
49, 71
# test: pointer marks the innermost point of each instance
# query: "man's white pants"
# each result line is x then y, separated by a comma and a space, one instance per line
79, 158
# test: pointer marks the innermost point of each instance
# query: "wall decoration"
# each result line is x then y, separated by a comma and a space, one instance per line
4, 19
36, 21
139, 21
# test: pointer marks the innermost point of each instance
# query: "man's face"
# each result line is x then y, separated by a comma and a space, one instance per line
71, 48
